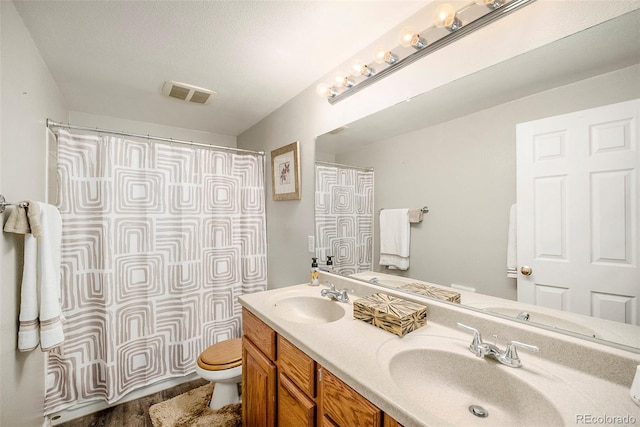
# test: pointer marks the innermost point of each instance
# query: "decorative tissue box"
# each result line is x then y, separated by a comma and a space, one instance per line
432, 291
392, 314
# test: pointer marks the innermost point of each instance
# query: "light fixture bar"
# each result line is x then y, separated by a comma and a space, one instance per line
432, 47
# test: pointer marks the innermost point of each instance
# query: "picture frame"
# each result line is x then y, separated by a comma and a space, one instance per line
285, 172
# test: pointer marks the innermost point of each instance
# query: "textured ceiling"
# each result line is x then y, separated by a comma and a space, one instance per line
112, 57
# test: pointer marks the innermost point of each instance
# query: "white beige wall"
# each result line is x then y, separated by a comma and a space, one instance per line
29, 96
118, 124
465, 171
307, 116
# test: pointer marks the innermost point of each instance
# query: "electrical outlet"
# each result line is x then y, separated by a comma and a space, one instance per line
311, 243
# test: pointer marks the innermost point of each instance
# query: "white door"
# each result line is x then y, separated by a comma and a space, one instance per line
577, 208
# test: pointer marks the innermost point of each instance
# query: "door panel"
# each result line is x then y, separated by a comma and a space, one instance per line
577, 209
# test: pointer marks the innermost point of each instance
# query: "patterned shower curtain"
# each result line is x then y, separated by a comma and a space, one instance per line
344, 217
158, 243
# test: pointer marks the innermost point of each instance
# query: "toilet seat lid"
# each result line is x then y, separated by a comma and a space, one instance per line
223, 355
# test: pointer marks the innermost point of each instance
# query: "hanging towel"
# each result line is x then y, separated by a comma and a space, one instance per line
40, 310
415, 216
395, 238
17, 222
33, 214
512, 259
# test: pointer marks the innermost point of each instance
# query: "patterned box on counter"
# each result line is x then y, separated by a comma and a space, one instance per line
432, 291
390, 313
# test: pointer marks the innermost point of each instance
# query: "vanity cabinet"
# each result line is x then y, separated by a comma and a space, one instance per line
283, 386
296, 386
259, 373
343, 406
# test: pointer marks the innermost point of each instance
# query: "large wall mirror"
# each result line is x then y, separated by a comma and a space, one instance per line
453, 149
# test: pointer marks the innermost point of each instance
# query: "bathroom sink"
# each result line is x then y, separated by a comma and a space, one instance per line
309, 309
451, 386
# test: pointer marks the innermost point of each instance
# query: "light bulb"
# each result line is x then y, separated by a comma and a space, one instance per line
359, 68
325, 90
342, 79
409, 37
445, 17
382, 55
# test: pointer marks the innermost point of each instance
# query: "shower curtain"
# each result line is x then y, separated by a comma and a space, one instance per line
344, 217
158, 243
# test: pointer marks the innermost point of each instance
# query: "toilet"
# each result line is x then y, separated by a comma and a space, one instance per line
222, 364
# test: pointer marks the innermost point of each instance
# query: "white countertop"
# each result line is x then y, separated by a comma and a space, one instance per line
359, 354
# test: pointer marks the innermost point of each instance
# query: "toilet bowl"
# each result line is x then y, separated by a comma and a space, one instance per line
222, 364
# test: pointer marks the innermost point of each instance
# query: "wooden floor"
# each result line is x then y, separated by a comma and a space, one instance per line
134, 413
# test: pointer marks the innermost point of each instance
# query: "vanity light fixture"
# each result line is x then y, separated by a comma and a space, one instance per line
410, 38
382, 55
446, 17
324, 89
361, 69
459, 23
342, 79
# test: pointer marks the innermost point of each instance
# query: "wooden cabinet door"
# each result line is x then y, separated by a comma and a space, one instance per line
295, 409
297, 366
258, 387
390, 422
344, 406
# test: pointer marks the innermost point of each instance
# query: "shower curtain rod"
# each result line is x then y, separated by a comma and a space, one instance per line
52, 124
363, 168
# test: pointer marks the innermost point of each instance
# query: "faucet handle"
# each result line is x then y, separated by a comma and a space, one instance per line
511, 357
476, 344
476, 333
511, 347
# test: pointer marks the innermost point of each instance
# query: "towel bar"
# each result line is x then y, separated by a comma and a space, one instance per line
4, 203
424, 210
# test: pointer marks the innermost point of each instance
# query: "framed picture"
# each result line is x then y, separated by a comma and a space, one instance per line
285, 172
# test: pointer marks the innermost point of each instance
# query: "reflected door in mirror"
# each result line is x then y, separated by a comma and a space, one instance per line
577, 195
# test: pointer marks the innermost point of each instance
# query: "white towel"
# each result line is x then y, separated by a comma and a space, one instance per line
512, 254
395, 238
40, 310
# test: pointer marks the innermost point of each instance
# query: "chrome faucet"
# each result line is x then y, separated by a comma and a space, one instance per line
523, 315
340, 296
507, 357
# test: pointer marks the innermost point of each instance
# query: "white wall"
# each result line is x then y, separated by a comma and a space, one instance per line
465, 171
307, 116
117, 124
29, 96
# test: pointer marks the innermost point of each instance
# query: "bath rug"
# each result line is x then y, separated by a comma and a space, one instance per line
191, 409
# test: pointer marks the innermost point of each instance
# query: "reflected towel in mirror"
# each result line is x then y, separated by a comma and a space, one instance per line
395, 238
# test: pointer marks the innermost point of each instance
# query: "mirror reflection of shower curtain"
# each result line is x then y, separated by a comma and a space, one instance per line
344, 217
158, 243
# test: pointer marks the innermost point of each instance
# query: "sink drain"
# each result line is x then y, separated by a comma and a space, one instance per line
478, 411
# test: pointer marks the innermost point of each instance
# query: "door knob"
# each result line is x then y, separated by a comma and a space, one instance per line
526, 270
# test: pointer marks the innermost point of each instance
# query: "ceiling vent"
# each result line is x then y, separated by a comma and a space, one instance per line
187, 92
